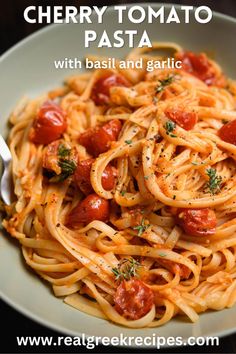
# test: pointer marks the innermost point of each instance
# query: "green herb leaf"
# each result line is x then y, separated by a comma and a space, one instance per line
164, 83
142, 227
123, 193
169, 127
116, 273
126, 269
63, 151
162, 254
128, 142
67, 169
215, 181
67, 166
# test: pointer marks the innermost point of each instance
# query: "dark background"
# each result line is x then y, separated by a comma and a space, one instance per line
13, 28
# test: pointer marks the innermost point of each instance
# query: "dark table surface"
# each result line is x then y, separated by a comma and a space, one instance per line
12, 29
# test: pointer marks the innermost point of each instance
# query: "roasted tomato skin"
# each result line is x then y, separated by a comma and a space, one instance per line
98, 140
101, 90
133, 299
228, 132
197, 222
49, 124
82, 176
91, 208
85, 140
102, 137
200, 66
109, 178
184, 119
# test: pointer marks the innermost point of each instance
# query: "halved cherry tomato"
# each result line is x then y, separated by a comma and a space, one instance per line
200, 66
184, 119
228, 132
49, 124
85, 140
102, 137
197, 222
82, 176
175, 268
91, 208
98, 140
133, 299
108, 177
101, 90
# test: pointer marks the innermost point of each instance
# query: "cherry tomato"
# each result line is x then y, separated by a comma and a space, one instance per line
133, 299
101, 90
175, 268
98, 140
82, 176
91, 208
185, 120
197, 222
102, 137
85, 140
228, 132
108, 178
49, 124
199, 66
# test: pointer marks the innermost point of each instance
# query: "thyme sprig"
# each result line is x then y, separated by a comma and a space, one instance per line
126, 269
170, 127
142, 227
165, 82
215, 181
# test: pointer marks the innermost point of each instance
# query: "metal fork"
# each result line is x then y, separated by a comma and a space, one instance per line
6, 180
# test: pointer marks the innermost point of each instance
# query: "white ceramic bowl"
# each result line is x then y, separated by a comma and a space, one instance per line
28, 69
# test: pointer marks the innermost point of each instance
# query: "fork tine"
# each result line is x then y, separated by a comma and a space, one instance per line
4, 151
6, 180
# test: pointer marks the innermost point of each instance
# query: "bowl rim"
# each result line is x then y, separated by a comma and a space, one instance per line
21, 308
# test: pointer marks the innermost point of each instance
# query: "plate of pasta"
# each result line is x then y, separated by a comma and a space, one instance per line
124, 184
